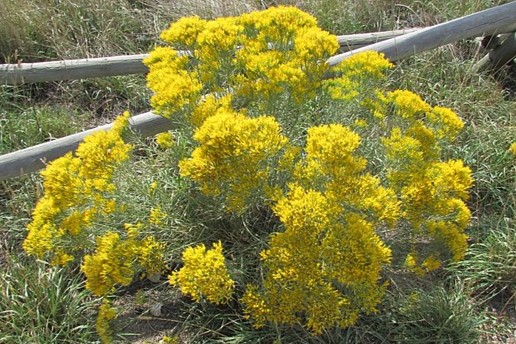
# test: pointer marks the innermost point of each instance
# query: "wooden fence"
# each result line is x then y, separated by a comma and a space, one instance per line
20, 73
395, 45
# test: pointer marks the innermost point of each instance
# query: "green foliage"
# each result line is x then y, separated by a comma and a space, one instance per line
439, 315
490, 266
78, 29
81, 28
22, 128
43, 304
240, 69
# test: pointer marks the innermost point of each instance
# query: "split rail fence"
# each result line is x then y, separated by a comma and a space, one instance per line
498, 22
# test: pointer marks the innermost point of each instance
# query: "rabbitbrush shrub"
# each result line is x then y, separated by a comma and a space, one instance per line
342, 164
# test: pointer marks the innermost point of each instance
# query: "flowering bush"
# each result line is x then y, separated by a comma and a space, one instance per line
249, 80
69, 222
77, 190
341, 163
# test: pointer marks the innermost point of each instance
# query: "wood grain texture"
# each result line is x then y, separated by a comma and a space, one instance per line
71, 69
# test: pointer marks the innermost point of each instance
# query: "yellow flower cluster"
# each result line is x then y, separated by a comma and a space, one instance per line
233, 156
432, 192
116, 260
331, 165
255, 56
326, 264
283, 52
165, 140
429, 264
512, 148
204, 274
174, 86
356, 73
157, 216
323, 269
77, 189
103, 323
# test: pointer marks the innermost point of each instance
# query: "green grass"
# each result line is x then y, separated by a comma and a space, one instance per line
490, 266
40, 304
47, 305
439, 315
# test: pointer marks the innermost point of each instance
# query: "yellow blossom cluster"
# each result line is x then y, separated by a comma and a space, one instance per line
322, 270
432, 192
421, 268
165, 140
326, 265
68, 221
512, 148
116, 260
157, 216
254, 57
174, 86
355, 73
204, 274
233, 156
77, 189
103, 326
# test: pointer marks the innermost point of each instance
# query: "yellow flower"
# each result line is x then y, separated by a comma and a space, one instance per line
447, 121
512, 148
103, 323
365, 65
62, 258
184, 32
165, 140
116, 261
332, 147
323, 266
204, 274
431, 264
355, 74
407, 104
77, 189
320, 247
150, 254
153, 187
157, 216
209, 106
173, 89
232, 156
111, 264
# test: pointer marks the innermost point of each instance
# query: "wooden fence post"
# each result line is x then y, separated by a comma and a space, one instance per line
12, 74
499, 56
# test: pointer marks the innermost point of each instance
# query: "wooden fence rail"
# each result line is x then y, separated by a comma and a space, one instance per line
492, 21
36, 157
495, 20
12, 74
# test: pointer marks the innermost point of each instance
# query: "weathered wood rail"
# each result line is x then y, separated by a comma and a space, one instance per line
489, 22
492, 21
20, 73
36, 157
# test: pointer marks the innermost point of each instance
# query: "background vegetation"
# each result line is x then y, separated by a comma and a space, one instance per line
473, 301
